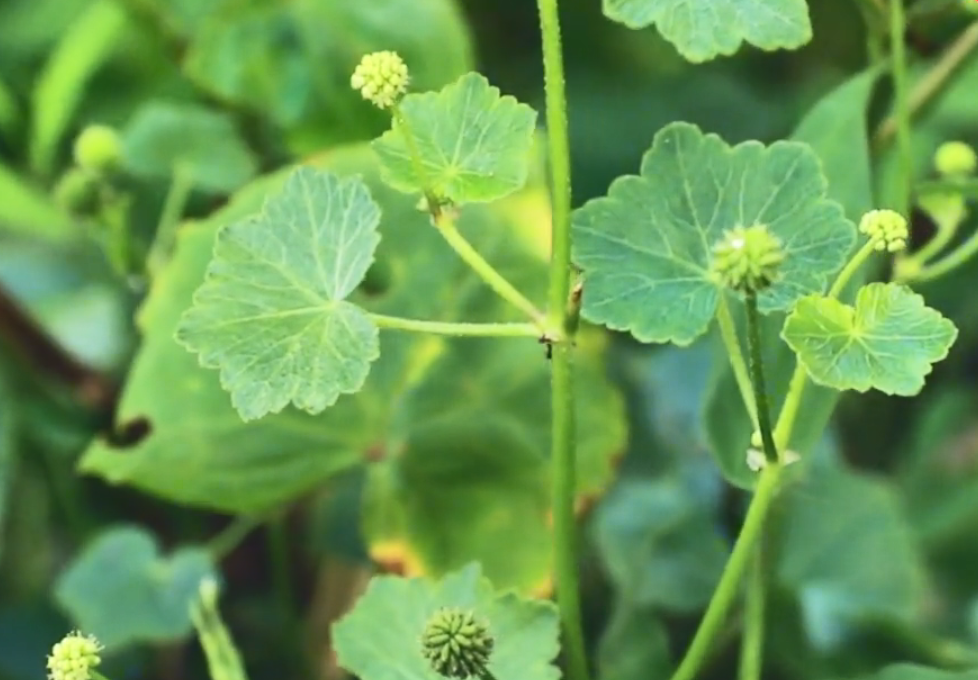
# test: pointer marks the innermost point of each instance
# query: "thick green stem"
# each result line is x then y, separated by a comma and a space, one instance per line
729, 586
166, 230
752, 643
898, 55
789, 410
461, 330
563, 310
757, 378
728, 333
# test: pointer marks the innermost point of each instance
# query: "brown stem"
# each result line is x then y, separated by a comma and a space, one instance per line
42, 353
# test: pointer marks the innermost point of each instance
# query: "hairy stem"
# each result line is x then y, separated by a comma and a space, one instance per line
461, 330
729, 586
931, 83
752, 642
728, 333
757, 377
563, 312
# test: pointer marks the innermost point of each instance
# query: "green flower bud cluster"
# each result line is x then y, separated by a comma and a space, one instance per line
98, 160
954, 159
886, 229
382, 78
74, 657
456, 644
747, 258
98, 150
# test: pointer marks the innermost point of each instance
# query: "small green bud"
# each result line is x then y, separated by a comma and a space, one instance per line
74, 657
955, 158
77, 192
886, 229
382, 78
456, 644
98, 149
748, 258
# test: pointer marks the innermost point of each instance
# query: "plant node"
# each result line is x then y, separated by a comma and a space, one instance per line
382, 78
887, 229
74, 657
954, 159
98, 150
747, 258
456, 644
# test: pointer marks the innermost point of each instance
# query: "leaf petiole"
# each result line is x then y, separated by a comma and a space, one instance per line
728, 333
757, 377
461, 330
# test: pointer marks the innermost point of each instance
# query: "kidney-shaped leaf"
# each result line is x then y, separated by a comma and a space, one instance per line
271, 313
704, 29
887, 341
474, 145
645, 248
381, 638
122, 591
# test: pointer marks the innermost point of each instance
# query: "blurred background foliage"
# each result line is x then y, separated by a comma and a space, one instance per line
871, 551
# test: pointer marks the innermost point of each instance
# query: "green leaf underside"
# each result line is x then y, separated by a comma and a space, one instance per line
645, 249
474, 144
906, 671
122, 591
888, 341
271, 313
199, 452
704, 29
164, 138
380, 638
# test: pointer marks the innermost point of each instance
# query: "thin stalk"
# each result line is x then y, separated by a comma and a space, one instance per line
228, 539
461, 330
489, 274
752, 642
952, 261
563, 310
898, 55
728, 333
851, 268
729, 586
757, 377
932, 82
166, 230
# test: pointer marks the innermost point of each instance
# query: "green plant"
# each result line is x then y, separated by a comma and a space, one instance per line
422, 308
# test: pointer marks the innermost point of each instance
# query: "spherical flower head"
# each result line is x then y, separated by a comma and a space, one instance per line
74, 657
456, 644
886, 229
748, 258
382, 78
98, 149
955, 158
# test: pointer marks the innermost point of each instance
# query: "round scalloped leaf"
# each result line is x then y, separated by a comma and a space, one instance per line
474, 145
645, 248
381, 638
271, 313
121, 590
888, 341
704, 29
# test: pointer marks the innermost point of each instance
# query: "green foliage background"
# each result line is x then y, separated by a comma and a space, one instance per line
442, 458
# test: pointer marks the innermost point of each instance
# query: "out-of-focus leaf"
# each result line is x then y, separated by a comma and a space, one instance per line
9, 111
645, 249
25, 209
272, 313
121, 590
833, 528
165, 138
7, 458
915, 672
380, 638
704, 29
887, 341
634, 646
60, 87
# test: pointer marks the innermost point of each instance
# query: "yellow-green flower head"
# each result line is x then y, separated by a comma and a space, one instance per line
456, 644
887, 229
382, 78
748, 258
74, 657
98, 149
955, 158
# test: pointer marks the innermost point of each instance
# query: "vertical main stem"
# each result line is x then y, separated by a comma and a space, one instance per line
898, 54
752, 644
561, 315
